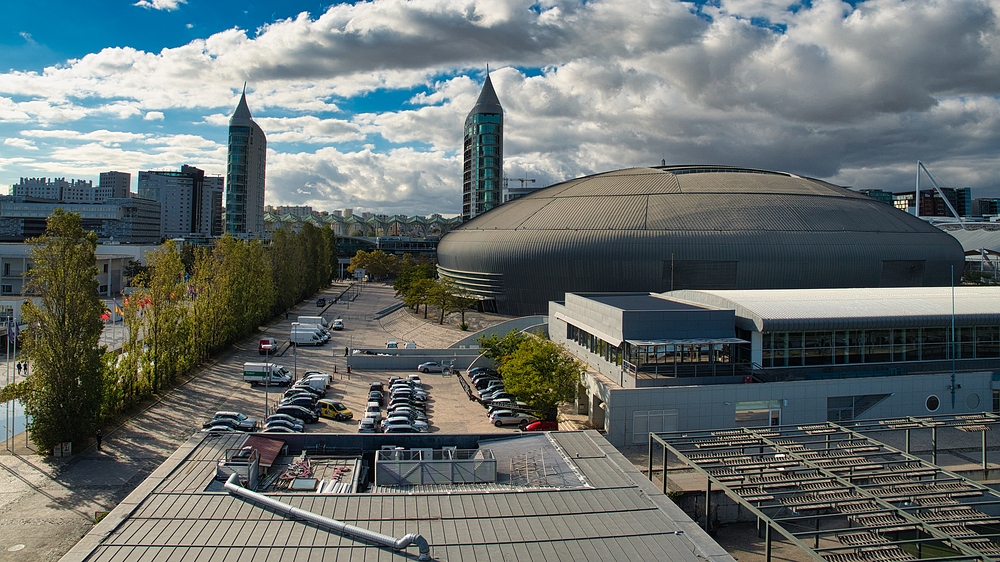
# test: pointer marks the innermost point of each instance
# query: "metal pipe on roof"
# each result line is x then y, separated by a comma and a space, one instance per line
234, 488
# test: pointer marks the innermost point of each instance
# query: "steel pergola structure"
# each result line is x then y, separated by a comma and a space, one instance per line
842, 496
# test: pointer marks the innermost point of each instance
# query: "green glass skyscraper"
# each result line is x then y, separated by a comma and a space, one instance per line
482, 174
245, 174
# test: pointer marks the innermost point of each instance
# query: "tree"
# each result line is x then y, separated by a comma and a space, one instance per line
500, 349
64, 401
377, 264
419, 294
412, 270
165, 321
542, 374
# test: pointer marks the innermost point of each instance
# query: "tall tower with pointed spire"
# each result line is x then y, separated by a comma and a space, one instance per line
245, 174
482, 173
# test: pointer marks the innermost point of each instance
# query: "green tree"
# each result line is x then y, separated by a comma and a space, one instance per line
66, 389
412, 270
377, 264
542, 374
165, 321
500, 349
419, 294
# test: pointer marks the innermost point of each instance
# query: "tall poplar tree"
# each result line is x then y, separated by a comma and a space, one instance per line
63, 334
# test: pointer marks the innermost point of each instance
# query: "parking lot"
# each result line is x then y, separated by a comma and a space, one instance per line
449, 409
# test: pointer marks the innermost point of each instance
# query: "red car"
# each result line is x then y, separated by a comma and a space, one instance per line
542, 426
267, 345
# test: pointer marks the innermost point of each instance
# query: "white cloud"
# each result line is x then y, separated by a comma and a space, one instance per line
850, 94
165, 5
23, 144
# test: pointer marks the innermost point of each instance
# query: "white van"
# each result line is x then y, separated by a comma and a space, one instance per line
313, 320
306, 335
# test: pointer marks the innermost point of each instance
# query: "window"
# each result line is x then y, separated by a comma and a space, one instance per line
933, 403
7, 289
105, 268
6, 269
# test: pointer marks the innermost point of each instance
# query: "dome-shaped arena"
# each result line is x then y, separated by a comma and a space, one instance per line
690, 227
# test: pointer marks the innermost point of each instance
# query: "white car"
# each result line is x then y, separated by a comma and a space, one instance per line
430, 367
367, 425
501, 418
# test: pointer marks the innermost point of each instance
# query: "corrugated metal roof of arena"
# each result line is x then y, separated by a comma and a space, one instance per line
607, 511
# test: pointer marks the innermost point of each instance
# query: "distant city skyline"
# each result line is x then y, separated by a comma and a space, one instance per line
363, 104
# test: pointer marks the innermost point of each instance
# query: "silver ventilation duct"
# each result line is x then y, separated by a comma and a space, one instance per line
233, 487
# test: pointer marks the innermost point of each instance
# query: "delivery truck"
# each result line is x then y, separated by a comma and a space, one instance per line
267, 374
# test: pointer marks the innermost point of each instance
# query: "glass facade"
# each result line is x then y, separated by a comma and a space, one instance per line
851, 347
482, 177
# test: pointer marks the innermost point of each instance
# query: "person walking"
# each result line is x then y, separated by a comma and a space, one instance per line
19, 368
99, 436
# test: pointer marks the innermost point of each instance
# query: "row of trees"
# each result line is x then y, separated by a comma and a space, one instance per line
539, 372
188, 305
415, 281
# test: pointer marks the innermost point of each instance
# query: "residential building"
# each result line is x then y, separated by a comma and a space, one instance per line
191, 202
482, 172
245, 172
114, 185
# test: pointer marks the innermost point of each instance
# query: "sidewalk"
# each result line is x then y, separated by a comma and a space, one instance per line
47, 504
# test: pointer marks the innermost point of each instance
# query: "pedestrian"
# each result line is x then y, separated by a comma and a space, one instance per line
346, 352
99, 436
286, 314
25, 368
19, 368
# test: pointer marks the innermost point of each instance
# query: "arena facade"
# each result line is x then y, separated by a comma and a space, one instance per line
690, 227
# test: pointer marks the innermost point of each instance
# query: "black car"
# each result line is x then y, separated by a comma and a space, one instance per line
404, 402
376, 387
376, 396
483, 371
300, 387
320, 302
304, 414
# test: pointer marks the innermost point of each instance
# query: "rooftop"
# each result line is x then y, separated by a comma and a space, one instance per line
567, 495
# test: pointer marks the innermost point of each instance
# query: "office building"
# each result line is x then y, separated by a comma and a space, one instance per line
245, 172
482, 171
129, 220
703, 360
191, 202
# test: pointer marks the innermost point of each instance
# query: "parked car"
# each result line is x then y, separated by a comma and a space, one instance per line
278, 429
499, 395
219, 428
412, 397
376, 387
338, 324
407, 411
395, 403
410, 345
368, 425
267, 345
307, 388
321, 302
430, 367
375, 396
505, 404
542, 425
501, 418
296, 427
246, 422
402, 429
285, 417
398, 421
304, 401
304, 414
484, 371
373, 410
334, 410
492, 387
296, 392
228, 422
422, 425
402, 388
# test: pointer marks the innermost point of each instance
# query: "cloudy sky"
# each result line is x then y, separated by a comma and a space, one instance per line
363, 103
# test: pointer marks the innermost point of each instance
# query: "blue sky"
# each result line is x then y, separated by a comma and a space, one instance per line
363, 103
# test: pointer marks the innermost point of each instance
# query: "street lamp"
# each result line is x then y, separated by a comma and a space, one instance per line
267, 377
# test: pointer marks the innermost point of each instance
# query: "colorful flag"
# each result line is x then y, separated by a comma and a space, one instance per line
106, 315
118, 311
12, 330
